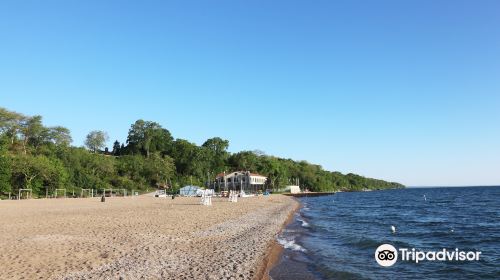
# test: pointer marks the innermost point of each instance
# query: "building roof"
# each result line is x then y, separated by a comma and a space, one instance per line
251, 174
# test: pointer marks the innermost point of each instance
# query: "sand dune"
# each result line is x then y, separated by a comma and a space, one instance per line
138, 238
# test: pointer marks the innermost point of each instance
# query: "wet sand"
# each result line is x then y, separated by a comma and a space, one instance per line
140, 238
290, 264
275, 251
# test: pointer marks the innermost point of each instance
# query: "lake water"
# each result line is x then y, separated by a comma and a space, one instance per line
335, 237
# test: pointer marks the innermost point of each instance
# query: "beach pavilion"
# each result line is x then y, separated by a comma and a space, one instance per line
240, 181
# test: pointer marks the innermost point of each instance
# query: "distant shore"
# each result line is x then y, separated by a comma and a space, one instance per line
155, 238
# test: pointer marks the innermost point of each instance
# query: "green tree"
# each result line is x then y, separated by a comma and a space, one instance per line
130, 167
35, 172
32, 131
5, 168
59, 136
99, 166
96, 140
186, 156
216, 149
148, 137
116, 148
158, 169
10, 124
245, 160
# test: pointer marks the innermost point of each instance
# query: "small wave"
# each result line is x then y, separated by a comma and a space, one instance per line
365, 243
290, 244
304, 223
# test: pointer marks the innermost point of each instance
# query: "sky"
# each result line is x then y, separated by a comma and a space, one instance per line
406, 91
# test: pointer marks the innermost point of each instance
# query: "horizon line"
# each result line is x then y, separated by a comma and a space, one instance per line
460, 186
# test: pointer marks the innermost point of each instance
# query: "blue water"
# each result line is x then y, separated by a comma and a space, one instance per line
335, 237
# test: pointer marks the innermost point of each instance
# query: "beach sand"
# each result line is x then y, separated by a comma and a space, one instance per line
141, 238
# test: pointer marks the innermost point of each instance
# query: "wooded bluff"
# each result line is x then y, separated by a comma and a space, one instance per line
42, 158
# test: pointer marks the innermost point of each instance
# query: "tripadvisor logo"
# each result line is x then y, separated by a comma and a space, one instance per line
387, 255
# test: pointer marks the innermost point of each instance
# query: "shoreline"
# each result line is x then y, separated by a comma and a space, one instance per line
275, 250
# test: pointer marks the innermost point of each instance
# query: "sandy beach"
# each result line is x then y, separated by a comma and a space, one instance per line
140, 238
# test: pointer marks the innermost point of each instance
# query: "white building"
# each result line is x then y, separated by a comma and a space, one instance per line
240, 180
292, 189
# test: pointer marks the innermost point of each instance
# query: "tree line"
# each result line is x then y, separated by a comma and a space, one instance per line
42, 158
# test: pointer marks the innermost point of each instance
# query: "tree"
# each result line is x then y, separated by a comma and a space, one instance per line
131, 166
59, 136
5, 169
87, 170
10, 123
96, 140
217, 151
244, 161
158, 169
186, 156
99, 166
32, 131
36, 171
148, 137
116, 148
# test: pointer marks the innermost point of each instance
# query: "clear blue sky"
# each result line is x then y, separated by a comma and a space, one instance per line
407, 91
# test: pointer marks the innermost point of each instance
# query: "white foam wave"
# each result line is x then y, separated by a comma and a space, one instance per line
304, 223
290, 244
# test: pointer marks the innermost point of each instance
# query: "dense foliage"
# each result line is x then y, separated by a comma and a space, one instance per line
41, 158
